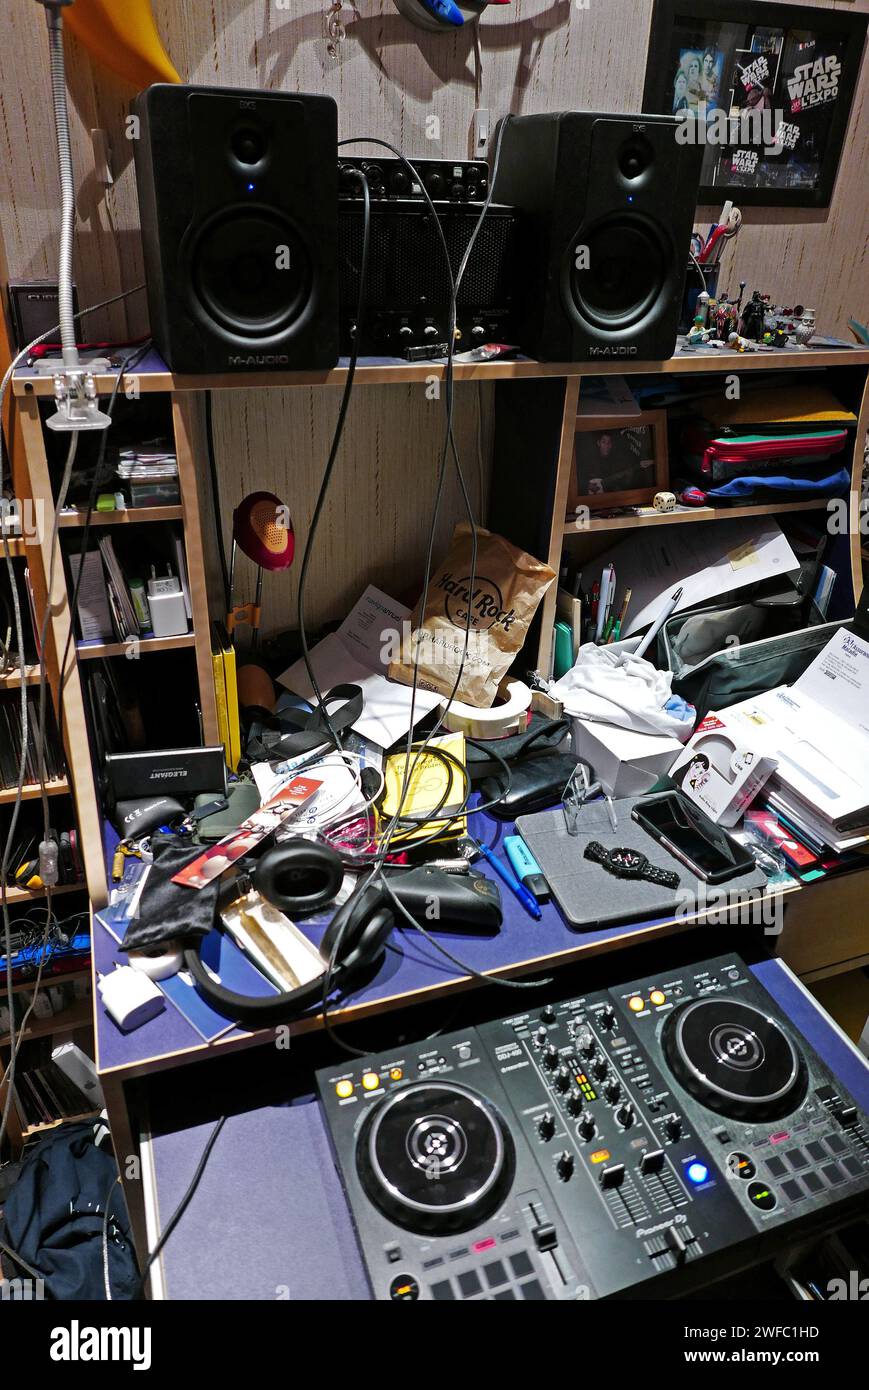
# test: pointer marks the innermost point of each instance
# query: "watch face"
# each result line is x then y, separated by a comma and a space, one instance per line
627, 858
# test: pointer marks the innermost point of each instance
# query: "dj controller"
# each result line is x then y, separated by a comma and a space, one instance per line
636, 1141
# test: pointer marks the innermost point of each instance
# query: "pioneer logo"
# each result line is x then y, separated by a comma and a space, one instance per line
622, 351
259, 359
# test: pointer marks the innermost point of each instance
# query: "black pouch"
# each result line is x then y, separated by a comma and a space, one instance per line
539, 771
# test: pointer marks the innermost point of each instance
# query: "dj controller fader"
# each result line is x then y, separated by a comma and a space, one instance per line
634, 1141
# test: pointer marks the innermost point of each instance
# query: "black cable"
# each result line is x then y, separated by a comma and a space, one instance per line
330, 465
183, 1204
215, 498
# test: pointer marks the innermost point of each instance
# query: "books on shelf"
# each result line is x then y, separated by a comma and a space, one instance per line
11, 739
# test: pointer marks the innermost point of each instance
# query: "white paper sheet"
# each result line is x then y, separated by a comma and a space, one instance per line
354, 655
707, 560
838, 679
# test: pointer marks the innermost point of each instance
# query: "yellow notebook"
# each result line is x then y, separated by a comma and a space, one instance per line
425, 789
226, 693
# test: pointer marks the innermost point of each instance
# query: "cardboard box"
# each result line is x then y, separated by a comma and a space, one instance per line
627, 763
720, 770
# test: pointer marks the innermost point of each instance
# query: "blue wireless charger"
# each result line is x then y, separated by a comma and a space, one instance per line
441, 15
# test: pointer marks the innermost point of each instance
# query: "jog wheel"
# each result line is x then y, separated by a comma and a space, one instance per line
735, 1059
435, 1157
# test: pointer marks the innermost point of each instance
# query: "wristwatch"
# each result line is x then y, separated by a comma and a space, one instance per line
629, 863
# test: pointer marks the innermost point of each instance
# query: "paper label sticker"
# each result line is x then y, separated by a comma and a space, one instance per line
742, 556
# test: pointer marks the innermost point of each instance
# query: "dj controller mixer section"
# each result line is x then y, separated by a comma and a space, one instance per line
634, 1141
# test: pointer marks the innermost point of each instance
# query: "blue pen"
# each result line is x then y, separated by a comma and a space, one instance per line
528, 900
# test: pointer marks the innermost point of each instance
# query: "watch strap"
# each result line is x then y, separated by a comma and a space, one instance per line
666, 877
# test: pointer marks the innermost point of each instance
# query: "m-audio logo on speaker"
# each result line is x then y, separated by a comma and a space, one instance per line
621, 351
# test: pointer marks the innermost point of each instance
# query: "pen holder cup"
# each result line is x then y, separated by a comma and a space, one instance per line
693, 287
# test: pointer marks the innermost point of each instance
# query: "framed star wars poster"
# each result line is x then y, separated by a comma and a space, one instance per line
765, 88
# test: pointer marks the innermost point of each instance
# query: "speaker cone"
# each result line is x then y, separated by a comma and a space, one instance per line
621, 271
250, 271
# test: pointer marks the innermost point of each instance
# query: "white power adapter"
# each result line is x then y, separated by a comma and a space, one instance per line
166, 604
130, 998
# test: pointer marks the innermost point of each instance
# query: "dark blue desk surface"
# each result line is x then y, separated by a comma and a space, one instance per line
269, 1220
411, 969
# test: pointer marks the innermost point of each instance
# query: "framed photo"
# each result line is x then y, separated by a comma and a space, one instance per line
618, 461
766, 88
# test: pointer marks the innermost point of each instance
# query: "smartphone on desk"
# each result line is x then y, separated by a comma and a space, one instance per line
696, 841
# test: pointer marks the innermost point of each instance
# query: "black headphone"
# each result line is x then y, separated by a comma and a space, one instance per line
300, 876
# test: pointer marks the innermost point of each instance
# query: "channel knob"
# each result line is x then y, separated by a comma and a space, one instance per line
547, 1014
607, 1017
586, 1126
625, 1115
546, 1126
540, 1036
562, 1078
435, 185
599, 1068
574, 1103
673, 1127
550, 1057
612, 1090
564, 1165
399, 182
586, 1044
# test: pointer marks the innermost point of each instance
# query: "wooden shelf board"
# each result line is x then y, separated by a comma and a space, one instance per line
33, 789
133, 516
12, 680
624, 523
16, 895
15, 544
153, 375
146, 644
76, 1016
31, 1130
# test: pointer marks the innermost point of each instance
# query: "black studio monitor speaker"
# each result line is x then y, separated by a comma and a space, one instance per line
238, 197
607, 208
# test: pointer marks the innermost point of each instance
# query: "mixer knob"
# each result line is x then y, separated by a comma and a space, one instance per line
540, 1036
574, 1103
607, 1017
550, 1057
564, 1165
586, 1044
456, 190
374, 175
547, 1014
405, 331
599, 1068
563, 1078
435, 185
431, 331
673, 1127
399, 182
546, 1126
625, 1115
612, 1090
586, 1126
478, 331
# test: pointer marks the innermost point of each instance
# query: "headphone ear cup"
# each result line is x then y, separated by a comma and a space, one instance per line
299, 876
360, 928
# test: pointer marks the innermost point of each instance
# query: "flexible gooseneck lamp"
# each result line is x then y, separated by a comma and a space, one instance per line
263, 531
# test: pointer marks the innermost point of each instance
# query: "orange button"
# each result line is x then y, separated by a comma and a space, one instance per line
395, 1074
600, 1155
636, 1003
370, 1081
344, 1089
658, 997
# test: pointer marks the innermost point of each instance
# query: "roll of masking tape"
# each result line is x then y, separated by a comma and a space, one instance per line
159, 963
508, 715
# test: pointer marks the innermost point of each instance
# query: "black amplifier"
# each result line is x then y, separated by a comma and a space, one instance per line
408, 292
641, 1140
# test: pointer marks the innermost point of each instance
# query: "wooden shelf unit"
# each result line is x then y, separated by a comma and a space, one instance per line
131, 516
31, 790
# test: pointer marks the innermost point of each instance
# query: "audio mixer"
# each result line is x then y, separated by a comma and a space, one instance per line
634, 1141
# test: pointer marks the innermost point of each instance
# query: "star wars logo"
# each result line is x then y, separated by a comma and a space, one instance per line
815, 83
